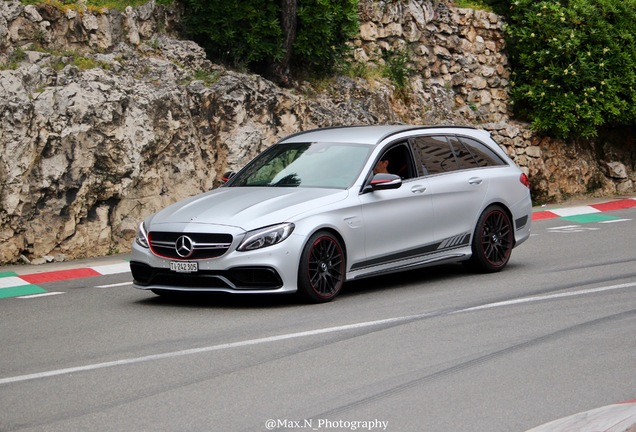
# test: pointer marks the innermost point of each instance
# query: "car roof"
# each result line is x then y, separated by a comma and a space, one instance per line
362, 134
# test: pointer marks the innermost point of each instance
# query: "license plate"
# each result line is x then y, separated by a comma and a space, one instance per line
184, 267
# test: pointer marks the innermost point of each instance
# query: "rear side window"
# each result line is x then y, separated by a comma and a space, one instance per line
441, 154
482, 155
435, 154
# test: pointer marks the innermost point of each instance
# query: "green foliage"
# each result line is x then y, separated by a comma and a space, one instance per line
235, 32
249, 32
397, 68
398, 71
574, 64
473, 4
324, 27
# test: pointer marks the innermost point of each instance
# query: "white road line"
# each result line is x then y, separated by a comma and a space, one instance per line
614, 221
46, 294
249, 342
114, 285
172, 354
549, 297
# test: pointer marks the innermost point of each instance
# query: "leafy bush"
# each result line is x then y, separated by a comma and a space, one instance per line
324, 27
574, 64
249, 32
235, 32
398, 71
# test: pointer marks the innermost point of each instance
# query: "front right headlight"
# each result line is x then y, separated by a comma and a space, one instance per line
142, 236
264, 237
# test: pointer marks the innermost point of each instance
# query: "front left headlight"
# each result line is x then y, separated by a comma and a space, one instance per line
142, 236
264, 237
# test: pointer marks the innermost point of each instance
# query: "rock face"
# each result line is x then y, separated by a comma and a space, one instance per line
108, 117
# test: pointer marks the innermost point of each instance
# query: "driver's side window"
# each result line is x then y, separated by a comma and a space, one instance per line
397, 160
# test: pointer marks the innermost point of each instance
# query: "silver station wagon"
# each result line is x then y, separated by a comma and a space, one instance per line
326, 206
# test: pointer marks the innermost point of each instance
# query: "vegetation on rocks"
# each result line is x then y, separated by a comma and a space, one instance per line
262, 36
574, 64
95, 5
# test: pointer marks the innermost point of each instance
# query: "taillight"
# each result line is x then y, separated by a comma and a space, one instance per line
523, 178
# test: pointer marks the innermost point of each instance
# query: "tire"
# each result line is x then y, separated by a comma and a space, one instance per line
321, 270
492, 242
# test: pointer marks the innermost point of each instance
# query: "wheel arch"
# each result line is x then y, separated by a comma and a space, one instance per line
336, 234
506, 209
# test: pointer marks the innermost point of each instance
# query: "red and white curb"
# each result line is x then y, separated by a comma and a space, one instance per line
26, 285
588, 209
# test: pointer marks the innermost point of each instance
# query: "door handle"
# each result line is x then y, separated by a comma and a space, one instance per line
475, 180
418, 188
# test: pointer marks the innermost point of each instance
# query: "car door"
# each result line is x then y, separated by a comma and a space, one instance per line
396, 220
456, 185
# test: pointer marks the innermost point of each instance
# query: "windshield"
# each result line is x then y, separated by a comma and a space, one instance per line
324, 165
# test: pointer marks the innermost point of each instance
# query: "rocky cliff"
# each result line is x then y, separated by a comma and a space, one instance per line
109, 116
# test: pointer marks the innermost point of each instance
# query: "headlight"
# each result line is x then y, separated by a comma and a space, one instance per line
142, 236
264, 237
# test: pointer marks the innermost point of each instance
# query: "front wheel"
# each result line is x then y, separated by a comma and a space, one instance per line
492, 241
321, 271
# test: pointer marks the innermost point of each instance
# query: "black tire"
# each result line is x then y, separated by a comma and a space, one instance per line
492, 242
321, 271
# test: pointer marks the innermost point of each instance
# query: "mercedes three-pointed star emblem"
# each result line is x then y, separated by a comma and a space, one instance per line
184, 246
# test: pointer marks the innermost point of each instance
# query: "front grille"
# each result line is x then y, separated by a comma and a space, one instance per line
237, 278
188, 246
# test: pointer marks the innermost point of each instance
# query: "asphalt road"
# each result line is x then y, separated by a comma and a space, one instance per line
437, 349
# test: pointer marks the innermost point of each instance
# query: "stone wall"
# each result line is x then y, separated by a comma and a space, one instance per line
461, 50
109, 117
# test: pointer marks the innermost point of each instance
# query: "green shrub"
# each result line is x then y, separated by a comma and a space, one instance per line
397, 68
574, 64
235, 32
249, 32
324, 27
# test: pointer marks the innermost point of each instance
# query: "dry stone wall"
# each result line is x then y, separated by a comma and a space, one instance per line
108, 117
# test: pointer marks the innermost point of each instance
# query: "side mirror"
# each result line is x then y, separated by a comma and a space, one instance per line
383, 182
227, 176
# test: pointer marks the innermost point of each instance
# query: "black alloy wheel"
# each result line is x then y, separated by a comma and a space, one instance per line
322, 268
493, 241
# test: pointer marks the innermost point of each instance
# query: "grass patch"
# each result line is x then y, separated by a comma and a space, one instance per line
95, 6
472, 4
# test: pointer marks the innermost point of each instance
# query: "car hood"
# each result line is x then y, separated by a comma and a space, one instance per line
247, 207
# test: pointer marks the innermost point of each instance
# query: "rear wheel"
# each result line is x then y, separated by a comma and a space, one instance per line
493, 241
321, 270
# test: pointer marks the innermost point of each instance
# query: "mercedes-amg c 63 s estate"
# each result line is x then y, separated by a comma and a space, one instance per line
326, 206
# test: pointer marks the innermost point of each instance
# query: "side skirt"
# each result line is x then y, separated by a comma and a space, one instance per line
449, 250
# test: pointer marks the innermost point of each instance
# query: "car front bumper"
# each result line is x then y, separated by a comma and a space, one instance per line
273, 269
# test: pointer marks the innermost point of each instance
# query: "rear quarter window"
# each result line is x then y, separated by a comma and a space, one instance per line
435, 154
482, 155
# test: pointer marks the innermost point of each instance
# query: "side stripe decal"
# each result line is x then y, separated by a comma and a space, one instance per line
434, 248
